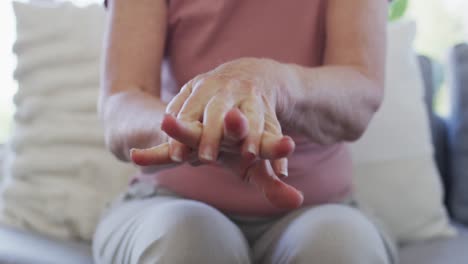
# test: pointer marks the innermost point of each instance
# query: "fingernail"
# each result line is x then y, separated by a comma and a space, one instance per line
252, 149
132, 151
283, 173
131, 154
251, 152
207, 154
176, 155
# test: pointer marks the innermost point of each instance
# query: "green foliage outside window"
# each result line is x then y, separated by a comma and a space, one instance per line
397, 9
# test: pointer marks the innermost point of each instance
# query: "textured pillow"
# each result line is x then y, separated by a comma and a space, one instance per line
430, 70
58, 176
395, 174
458, 133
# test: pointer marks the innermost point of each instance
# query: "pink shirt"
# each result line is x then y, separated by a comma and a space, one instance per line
203, 34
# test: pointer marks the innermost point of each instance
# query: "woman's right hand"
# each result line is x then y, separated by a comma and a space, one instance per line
230, 109
259, 172
235, 131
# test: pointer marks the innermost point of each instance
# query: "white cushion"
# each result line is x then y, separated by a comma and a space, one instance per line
59, 176
395, 174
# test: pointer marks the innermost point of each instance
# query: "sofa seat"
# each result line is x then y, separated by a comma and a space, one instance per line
19, 247
441, 251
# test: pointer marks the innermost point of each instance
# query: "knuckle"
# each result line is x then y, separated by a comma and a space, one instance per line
200, 83
250, 89
223, 94
212, 105
187, 87
272, 127
197, 79
172, 108
185, 116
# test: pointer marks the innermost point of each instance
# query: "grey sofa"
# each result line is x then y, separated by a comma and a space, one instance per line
19, 247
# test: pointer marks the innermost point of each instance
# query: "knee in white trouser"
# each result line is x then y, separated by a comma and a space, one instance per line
189, 232
174, 232
334, 234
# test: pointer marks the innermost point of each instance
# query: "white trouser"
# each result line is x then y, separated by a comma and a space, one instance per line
172, 230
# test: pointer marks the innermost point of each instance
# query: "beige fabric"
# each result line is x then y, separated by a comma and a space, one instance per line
58, 173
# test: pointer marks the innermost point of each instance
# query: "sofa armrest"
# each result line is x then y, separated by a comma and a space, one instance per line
439, 129
458, 132
2, 158
24, 247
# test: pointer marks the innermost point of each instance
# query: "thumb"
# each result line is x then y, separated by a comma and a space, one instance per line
278, 193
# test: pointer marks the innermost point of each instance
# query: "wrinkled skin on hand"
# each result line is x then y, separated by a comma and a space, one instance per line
228, 116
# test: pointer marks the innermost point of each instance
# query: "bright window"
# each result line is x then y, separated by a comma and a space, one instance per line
441, 24
7, 64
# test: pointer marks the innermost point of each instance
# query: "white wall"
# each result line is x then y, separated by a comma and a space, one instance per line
459, 8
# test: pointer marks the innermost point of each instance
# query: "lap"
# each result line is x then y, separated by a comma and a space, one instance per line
321, 232
165, 229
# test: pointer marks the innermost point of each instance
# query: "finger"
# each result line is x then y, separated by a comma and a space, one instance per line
271, 120
194, 106
236, 127
178, 151
253, 111
173, 108
213, 123
276, 146
278, 193
158, 155
280, 167
186, 133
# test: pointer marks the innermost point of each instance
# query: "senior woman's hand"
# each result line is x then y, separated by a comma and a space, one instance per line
231, 110
259, 172
247, 84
